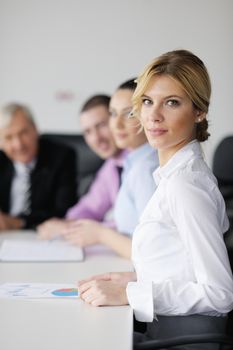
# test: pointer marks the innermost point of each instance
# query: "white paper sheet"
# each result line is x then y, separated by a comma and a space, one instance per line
36, 250
37, 291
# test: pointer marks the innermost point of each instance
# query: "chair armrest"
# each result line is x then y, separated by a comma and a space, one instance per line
185, 340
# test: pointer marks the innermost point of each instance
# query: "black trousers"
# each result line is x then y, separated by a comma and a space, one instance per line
172, 326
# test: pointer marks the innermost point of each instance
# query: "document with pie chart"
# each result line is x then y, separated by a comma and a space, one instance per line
38, 291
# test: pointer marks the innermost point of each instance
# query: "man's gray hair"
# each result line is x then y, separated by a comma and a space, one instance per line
8, 111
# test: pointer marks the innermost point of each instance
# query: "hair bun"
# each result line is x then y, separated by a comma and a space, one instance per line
201, 132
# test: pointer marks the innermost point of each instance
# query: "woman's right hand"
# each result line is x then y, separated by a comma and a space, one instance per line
52, 228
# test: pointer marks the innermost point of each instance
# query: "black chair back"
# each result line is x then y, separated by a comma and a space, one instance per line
223, 170
223, 162
87, 161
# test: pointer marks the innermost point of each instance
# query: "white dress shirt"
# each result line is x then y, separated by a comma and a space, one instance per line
178, 250
20, 187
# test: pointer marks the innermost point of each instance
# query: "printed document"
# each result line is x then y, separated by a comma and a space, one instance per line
37, 291
38, 251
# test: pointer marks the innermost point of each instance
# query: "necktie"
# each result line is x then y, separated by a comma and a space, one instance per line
26, 191
119, 170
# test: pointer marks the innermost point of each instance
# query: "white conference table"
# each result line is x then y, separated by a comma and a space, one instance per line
62, 324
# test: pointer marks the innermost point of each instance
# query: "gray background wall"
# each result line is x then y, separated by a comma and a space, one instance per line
56, 53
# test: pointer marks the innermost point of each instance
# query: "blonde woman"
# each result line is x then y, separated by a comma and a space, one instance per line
182, 282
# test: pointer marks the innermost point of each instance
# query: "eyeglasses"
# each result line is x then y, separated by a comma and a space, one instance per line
127, 113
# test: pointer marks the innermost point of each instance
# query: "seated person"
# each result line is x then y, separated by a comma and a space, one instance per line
141, 161
182, 284
132, 196
94, 121
37, 177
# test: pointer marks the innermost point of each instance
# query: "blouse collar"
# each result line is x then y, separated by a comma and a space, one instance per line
181, 157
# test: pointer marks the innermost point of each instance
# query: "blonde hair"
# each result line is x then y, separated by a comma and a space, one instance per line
190, 72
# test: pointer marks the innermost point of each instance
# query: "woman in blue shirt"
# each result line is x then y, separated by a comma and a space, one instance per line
137, 181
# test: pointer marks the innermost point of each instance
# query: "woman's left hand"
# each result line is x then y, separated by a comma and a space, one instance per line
99, 292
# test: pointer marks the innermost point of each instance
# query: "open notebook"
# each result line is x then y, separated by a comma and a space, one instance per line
38, 251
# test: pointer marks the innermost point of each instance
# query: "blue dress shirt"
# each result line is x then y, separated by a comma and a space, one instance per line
137, 187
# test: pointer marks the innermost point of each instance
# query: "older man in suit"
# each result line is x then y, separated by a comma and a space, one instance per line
37, 177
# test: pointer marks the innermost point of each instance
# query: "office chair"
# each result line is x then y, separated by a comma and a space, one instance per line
226, 342
87, 162
223, 170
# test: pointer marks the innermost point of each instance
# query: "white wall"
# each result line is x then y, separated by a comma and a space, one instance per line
56, 53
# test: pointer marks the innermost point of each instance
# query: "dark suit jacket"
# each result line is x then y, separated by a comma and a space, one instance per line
53, 183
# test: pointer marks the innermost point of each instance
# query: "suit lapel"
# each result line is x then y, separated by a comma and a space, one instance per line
5, 186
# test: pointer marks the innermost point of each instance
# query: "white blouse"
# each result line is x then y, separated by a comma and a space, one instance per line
178, 250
